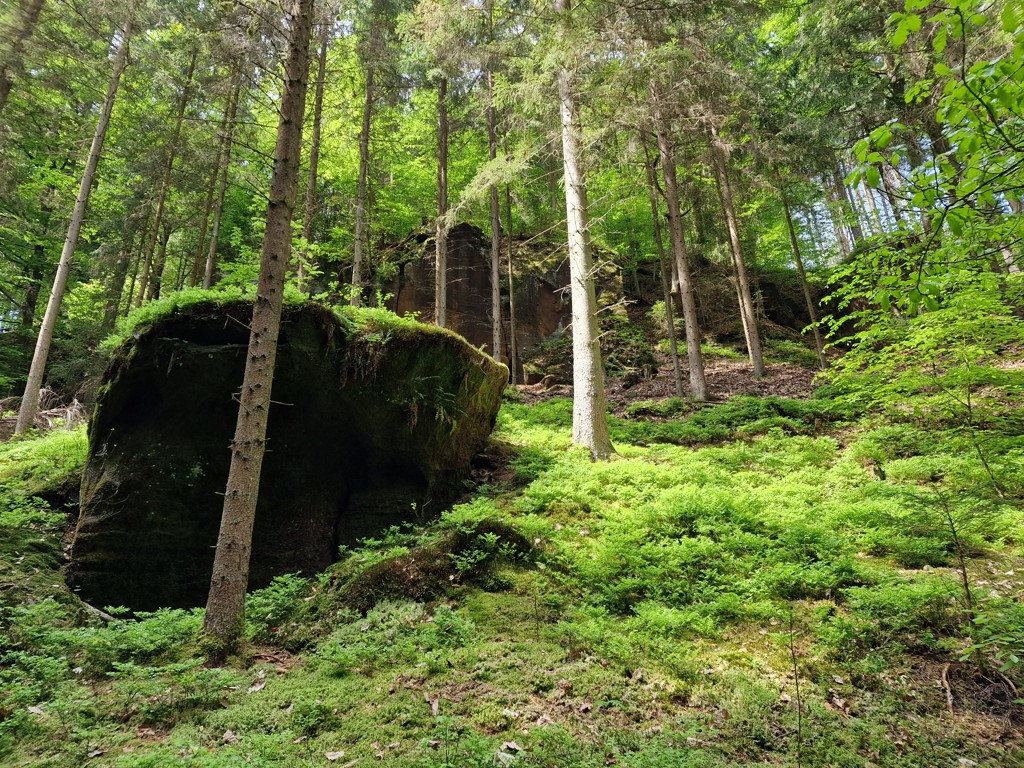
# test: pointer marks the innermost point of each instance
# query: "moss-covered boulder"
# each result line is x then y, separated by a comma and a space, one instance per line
374, 420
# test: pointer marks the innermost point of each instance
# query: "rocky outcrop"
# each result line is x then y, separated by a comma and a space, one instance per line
542, 302
374, 421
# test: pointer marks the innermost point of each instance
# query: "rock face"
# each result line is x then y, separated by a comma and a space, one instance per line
542, 306
374, 420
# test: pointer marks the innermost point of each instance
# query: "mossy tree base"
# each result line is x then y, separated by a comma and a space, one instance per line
373, 421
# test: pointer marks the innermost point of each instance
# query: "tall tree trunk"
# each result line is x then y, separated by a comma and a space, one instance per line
204, 219
211, 190
32, 290
874, 215
513, 346
819, 345
314, 156
441, 231
746, 300
665, 270
156, 278
847, 212
589, 419
30, 401
28, 18
152, 276
218, 211
359, 235
835, 209
226, 604
127, 298
492, 151
115, 285
891, 183
694, 357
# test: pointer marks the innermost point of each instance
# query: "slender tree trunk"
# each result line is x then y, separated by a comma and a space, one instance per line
835, 210
226, 604
441, 231
28, 18
492, 151
694, 357
816, 240
115, 285
152, 275
847, 212
874, 214
819, 345
204, 220
742, 281
30, 401
211, 191
664, 270
589, 419
156, 278
147, 264
32, 290
218, 211
513, 346
359, 239
891, 184
127, 298
888, 219
314, 156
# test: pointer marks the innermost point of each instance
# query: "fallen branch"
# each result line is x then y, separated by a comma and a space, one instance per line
945, 686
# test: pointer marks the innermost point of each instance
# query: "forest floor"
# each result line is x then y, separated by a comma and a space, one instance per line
772, 579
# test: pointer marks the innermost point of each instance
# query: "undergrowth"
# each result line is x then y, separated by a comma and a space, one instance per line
798, 583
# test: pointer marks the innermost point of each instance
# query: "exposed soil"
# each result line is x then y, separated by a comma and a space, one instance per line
726, 378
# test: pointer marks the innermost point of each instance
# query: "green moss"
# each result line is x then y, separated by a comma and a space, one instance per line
49, 465
374, 417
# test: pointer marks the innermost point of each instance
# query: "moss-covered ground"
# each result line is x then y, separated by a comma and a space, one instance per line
765, 581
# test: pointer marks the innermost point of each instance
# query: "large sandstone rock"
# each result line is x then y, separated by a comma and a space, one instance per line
374, 421
542, 301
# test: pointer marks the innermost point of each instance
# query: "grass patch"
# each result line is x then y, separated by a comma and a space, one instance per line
651, 611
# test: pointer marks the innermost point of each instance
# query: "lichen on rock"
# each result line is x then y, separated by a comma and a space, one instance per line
374, 420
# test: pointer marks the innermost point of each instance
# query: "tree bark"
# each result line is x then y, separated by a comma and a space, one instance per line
746, 301
694, 357
492, 151
30, 401
589, 419
156, 278
218, 211
838, 224
819, 345
29, 14
314, 156
513, 346
891, 183
847, 212
152, 275
441, 231
32, 290
226, 604
359, 235
873, 214
211, 191
665, 270
115, 289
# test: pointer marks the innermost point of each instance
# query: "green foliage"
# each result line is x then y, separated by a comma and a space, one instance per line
998, 632
794, 352
662, 587
266, 608
50, 463
138, 319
